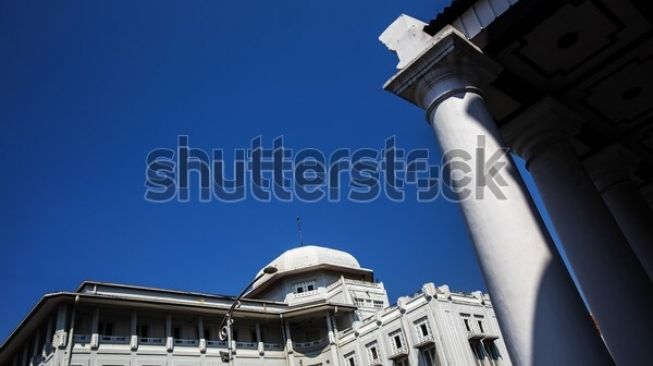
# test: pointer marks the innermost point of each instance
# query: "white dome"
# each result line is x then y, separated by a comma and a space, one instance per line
306, 258
311, 256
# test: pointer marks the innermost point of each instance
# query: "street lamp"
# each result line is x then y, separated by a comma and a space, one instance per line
225, 325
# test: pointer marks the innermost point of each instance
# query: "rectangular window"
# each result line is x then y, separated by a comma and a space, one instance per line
397, 340
143, 331
378, 304
467, 325
176, 333
304, 286
480, 326
428, 355
477, 349
350, 359
401, 362
492, 351
105, 329
373, 353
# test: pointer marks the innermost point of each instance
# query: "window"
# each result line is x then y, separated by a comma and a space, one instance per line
492, 351
176, 333
477, 349
402, 362
304, 286
468, 325
207, 334
143, 331
397, 341
480, 326
378, 304
373, 353
105, 329
350, 359
359, 301
422, 328
429, 356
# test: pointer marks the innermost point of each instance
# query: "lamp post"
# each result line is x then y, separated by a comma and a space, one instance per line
227, 321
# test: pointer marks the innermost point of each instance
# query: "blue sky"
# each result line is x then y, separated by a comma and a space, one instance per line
87, 89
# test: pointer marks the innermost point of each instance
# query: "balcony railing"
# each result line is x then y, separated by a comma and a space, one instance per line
311, 344
246, 345
423, 340
376, 362
398, 352
114, 339
186, 342
273, 346
81, 338
362, 283
151, 340
306, 293
216, 343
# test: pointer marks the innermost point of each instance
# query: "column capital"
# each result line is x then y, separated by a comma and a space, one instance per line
540, 126
449, 65
611, 165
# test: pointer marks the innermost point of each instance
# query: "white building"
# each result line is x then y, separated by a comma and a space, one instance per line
320, 308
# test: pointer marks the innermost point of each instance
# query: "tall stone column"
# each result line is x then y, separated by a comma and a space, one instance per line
332, 341
618, 291
133, 331
611, 170
290, 351
540, 311
200, 335
95, 336
170, 342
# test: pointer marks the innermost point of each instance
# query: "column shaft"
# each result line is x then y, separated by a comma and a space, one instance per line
611, 170
532, 293
616, 287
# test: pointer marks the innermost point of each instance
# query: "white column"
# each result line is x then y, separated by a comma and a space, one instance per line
332, 341
200, 330
95, 337
47, 343
619, 293
133, 341
259, 345
540, 311
60, 333
611, 170
290, 352
170, 342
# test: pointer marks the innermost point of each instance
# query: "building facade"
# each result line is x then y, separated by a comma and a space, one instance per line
320, 308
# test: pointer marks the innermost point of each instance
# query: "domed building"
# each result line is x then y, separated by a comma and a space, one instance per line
311, 306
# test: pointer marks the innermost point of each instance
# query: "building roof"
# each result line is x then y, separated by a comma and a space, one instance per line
447, 15
308, 258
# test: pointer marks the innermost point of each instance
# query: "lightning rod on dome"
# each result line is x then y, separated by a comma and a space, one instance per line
299, 230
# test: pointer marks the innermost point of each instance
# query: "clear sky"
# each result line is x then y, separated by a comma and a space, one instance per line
87, 89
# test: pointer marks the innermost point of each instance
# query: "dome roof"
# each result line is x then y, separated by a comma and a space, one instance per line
308, 257
311, 256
